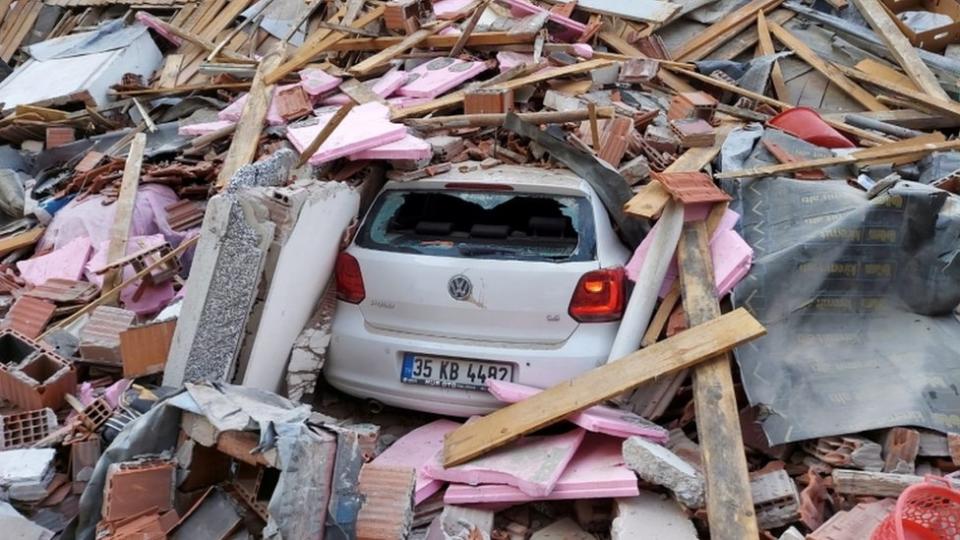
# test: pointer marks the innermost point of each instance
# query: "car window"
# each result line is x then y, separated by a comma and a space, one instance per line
481, 224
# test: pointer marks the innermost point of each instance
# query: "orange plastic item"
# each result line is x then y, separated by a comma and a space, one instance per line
805, 123
925, 511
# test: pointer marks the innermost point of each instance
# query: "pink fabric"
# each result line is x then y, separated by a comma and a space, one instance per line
65, 263
415, 449
90, 218
596, 471
430, 79
384, 87
366, 126
725, 273
532, 464
599, 418
409, 147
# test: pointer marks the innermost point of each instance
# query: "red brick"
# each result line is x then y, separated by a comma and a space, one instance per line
387, 494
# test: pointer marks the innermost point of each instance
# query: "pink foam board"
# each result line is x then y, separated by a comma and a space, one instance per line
409, 147
204, 128
367, 126
599, 418
445, 9
566, 28
317, 81
152, 298
430, 79
596, 471
66, 263
508, 60
693, 212
415, 449
384, 87
532, 464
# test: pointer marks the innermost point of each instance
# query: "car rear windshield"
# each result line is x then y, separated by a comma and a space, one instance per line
481, 224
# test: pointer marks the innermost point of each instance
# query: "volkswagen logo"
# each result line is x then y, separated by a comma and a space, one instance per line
459, 287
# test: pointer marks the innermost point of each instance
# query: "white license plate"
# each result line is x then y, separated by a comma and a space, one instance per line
452, 372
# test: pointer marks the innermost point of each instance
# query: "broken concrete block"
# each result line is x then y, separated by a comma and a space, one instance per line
387, 494
636, 170
100, 336
651, 517
225, 276
532, 464
416, 449
791, 534
17, 527
26, 473
660, 466
309, 352
466, 523
304, 266
775, 499
445, 146
563, 529
856, 523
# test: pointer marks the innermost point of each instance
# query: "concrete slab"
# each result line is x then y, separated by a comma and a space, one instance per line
651, 517
662, 467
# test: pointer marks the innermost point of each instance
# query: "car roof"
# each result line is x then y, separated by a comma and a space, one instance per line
525, 177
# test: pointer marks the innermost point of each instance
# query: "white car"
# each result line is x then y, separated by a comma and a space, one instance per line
513, 273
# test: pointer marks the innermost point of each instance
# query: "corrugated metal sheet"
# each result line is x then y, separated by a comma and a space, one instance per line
387, 494
29, 316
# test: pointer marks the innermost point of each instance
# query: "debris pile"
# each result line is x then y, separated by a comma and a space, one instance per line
183, 184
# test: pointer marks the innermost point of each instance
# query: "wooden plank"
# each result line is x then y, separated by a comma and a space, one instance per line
553, 404
13, 242
476, 39
748, 38
123, 216
907, 118
828, 70
246, 139
621, 45
948, 107
885, 151
722, 31
455, 98
325, 133
170, 71
649, 201
860, 133
388, 54
4, 10
900, 48
883, 71
359, 92
25, 25
653, 11
314, 46
765, 48
467, 30
730, 511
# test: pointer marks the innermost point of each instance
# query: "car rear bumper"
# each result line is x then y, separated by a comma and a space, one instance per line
366, 363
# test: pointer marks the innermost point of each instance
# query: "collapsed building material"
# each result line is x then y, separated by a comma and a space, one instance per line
25, 473
416, 449
144, 349
24, 428
100, 336
134, 487
652, 516
662, 467
37, 377
387, 510
680, 351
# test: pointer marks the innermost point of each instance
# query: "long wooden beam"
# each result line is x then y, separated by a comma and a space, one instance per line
765, 48
722, 31
948, 107
476, 39
553, 404
123, 215
900, 48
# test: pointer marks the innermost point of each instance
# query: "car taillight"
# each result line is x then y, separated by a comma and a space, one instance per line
349, 279
599, 296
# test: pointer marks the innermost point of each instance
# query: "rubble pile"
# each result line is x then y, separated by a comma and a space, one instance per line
182, 182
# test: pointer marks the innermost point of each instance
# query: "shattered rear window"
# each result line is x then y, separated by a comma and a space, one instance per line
481, 224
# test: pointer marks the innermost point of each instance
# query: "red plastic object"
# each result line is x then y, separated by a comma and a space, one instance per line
805, 123
925, 511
